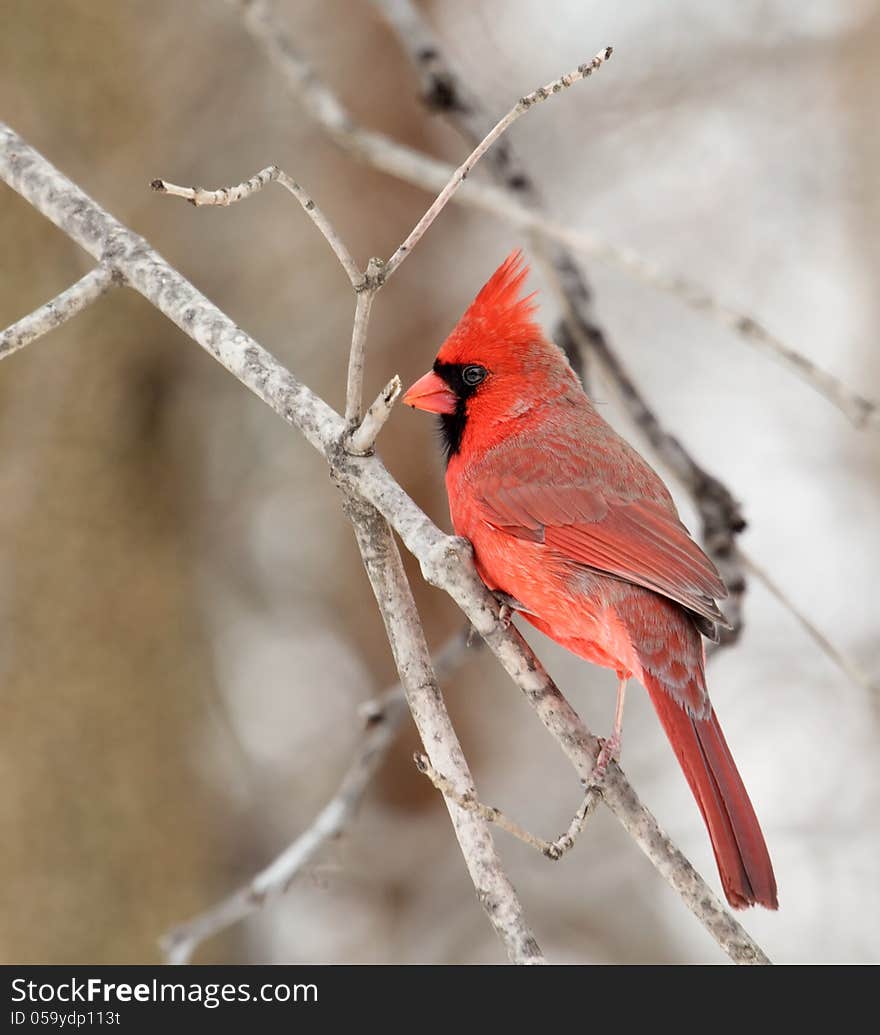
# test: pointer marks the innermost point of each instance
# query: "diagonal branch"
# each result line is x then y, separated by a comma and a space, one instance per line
382, 560
485, 142
59, 310
382, 721
445, 560
378, 271
99, 233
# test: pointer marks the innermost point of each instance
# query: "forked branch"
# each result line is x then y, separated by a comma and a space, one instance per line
446, 561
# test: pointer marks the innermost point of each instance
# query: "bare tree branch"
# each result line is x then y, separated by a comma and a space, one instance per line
861, 412
59, 310
383, 718
445, 560
226, 196
378, 271
483, 145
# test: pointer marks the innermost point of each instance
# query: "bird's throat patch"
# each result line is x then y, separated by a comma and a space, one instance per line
452, 425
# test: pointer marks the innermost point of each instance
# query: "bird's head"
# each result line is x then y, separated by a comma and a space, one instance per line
495, 366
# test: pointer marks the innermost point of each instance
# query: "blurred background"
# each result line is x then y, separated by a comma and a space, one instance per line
186, 630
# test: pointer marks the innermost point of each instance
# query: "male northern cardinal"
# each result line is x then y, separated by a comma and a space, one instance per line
575, 531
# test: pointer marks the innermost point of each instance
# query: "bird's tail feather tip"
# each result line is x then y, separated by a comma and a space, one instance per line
743, 860
740, 850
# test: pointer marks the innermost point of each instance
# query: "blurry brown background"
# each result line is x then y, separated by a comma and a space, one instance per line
185, 627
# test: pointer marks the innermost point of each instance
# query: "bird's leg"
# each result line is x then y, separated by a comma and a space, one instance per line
611, 747
508, 606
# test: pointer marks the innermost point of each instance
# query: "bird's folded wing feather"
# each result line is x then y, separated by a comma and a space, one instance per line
640, 541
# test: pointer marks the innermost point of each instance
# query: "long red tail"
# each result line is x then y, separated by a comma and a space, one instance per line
702, 752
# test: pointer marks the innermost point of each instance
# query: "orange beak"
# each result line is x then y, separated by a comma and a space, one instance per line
431, 393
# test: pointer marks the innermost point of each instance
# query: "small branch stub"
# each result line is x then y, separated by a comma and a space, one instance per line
224, 196
363, 438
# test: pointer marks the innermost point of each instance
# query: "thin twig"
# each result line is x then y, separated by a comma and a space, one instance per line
383, 717
500, 127
379, 272
225, 196
364, 437
445, 560
846, 664
59, 310
552, 849
861, 412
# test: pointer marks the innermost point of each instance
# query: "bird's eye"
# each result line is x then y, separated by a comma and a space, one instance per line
473, 375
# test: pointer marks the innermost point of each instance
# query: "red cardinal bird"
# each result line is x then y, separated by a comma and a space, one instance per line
574, 530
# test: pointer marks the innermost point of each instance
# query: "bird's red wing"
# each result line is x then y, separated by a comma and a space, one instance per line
636, 540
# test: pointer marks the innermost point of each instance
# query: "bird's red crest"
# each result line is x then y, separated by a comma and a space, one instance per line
498, 314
